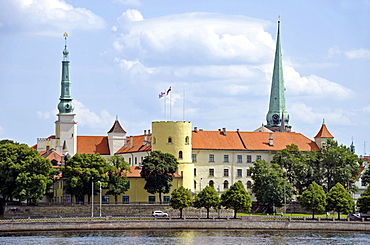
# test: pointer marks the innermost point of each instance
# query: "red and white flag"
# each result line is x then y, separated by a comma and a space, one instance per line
161, 94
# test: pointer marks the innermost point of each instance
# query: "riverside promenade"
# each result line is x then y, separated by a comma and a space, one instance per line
182, 224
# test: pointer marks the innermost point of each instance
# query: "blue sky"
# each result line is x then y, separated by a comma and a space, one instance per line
219, 54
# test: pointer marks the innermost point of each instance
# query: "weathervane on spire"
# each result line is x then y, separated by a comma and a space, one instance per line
65, 51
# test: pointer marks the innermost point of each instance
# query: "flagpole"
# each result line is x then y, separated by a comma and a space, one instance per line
165, 99
183, 106
170, 108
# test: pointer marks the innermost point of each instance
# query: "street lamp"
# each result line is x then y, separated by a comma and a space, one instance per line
92, 197
100, 198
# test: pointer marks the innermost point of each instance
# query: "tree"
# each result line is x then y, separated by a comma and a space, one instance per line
181, 198
207, 198
269, 185
339, 164
82, 171
313, 199
158, 170
364, 201
365, 178
339, 200
117, 176
24, 174
236, 197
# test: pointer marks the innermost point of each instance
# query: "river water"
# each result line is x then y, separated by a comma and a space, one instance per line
233, 237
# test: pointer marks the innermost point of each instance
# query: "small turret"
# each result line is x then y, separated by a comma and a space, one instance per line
323, 135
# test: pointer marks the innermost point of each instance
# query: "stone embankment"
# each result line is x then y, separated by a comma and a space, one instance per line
184, 224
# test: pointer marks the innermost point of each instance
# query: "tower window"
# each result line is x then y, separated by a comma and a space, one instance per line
186, 140
180, 154
154, 140
169, 140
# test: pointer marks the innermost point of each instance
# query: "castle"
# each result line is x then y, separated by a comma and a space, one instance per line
206, 158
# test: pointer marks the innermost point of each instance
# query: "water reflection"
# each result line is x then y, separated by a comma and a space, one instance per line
185, 237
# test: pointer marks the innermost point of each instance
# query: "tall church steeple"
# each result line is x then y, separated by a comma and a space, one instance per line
277, 116
66, 126
65, 105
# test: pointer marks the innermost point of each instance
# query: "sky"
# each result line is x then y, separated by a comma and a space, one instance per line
216, 55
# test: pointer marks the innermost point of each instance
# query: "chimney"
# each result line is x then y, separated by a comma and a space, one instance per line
149, 137
196, 129
145, 138
271, 140
131, 141
224, 131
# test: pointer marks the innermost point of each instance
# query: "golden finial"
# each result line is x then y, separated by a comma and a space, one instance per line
65, 34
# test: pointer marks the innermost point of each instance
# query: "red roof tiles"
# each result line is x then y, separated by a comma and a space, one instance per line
324, 133
93, 145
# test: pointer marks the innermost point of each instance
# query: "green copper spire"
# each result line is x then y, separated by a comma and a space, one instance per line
65, 105
277, 109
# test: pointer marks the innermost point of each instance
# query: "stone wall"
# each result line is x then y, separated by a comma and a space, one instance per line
41, 211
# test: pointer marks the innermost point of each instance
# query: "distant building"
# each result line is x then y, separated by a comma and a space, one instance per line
206, 158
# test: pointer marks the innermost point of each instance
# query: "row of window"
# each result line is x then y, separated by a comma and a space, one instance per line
239, 172
211, 183
170, 141
239, 158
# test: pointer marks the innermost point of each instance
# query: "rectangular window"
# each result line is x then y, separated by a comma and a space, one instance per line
105, 199
151, 199
195, 172
249, 172
239, 172
211, 172
211, 158
125, 199
258, 157
239, 159
194, 157
226, 172
166, 199
249, 158
226, 158
135, 160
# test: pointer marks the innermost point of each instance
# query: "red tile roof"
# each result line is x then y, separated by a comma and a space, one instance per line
137, 145
324, 132
93, 145
260, 141
216, 140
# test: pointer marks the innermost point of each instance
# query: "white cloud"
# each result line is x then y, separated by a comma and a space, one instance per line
358, 53
314, 86
87, 118
128, 2
309, 115
352, 54
47, 17
43, 114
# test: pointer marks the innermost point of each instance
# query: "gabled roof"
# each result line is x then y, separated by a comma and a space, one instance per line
260, 141
324, 132
137, 144
93, 145
117, 128
216, 140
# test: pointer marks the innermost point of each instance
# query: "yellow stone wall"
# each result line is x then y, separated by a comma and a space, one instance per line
175, 137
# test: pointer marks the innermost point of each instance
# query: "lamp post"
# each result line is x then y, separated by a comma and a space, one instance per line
92, 197
100, 198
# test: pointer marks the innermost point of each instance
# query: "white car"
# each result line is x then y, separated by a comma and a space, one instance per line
159, 214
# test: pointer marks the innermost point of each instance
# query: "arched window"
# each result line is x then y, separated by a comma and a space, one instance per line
249, 184
211, 183
154, 140
186, 140
180, 154
195, 185
169, 140
226, 184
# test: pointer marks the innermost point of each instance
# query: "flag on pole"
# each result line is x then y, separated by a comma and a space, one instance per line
169, 90
161, 94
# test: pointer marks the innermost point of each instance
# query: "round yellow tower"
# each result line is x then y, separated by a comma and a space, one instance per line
175, 138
